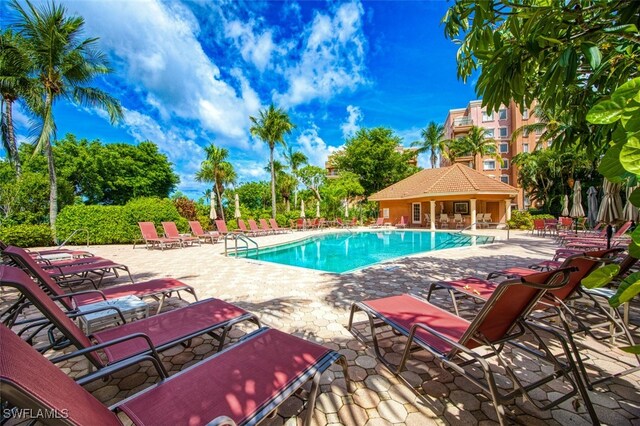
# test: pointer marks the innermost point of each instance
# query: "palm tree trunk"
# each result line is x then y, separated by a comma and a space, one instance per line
434, 158
53, 188
273, 184
219, 200
11, 138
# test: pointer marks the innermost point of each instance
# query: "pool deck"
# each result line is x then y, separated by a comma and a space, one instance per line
315, 305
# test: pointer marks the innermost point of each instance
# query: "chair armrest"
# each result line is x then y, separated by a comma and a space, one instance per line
121, 365
76, 314
78, 293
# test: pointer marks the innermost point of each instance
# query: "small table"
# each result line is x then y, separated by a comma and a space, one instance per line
132, 308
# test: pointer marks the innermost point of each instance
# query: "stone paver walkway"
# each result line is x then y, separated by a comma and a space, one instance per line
315, 305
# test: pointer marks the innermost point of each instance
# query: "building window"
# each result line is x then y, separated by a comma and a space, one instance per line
487, 117
502, 114
539, 131
489, 164
525, 147
385, 213
504, 179
417, 212
502, 131
489, 133
505, 164
525, 114
504, 148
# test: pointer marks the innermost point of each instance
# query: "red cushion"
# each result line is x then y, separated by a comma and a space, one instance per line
141, 290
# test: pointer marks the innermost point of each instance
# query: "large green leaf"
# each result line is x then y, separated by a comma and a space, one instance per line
630, 154
628, 288
630, 118
635, 349
610, 166
605, 112
592, 53
601, 276
627, 91
634, 250
635, 235
635, 197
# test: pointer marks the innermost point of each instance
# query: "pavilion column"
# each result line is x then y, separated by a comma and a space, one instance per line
472, 206
432, 215
507, 210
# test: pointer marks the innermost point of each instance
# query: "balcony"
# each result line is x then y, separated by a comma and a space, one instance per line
462, 122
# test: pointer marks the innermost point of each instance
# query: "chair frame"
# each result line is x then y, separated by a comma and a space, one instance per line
153, 240
170, 229
196, 228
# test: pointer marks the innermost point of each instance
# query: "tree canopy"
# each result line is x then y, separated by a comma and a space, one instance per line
373, 155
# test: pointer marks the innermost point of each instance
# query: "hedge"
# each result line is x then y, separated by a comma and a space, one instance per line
116, 224
26, 235
524, 219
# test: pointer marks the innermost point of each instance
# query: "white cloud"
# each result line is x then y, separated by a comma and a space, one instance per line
314, 147
351, 126
332, 60
157, 47
254, 48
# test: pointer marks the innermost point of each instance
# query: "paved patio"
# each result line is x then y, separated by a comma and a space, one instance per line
315, 305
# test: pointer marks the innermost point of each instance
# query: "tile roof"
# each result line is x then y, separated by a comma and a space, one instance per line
455, 179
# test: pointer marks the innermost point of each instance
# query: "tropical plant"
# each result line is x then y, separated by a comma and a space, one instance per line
218, 171
313, 178
295, 159
64, 63
271, 125
476, 143
432, 142
15, 83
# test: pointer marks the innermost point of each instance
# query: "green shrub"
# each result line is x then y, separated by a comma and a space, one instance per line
27, 235
282, 220
542, 216
156, 210
520, 220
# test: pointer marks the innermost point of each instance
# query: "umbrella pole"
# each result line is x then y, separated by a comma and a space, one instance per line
609, 235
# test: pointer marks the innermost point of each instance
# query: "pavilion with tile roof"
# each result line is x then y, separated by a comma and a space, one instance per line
456, 189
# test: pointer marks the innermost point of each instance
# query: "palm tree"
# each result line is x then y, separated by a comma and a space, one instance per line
295, 159
217, 170
64, 63
476, 143
432, 141
271, 126
15, 83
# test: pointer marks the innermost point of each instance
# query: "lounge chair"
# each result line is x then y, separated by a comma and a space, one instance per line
241, 385
151, 238
158, 289
210, 236
486, 220
247, 231
221, 226
299, 225
265, 227
145, 336
379, 223
340, 223
255, 229
452, 340
582, 266
276, 228
444, 220
402, 222
458, 220
538, 226
353, 223
171, 231
595, 243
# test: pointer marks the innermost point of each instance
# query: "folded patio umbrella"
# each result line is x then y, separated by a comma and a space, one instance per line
237, 212
302, 213
631, 212
592, 206
212, 211
318, 209
346, 208
565, 206
611, 206
576, 209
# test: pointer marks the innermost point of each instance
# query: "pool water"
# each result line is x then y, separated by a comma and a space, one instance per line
344, 252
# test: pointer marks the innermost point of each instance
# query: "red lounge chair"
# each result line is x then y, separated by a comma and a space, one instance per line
241, 385
210, 236
276, 228
538, 226
221, 226
340, 223
145, 336
255, 229
171, 231
402, 223
158, 289
300, 224
379, 223
151, 238
265, 227
452, 339
40, 253
245, 230
68, 274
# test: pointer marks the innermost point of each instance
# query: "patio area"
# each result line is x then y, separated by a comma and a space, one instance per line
315, 305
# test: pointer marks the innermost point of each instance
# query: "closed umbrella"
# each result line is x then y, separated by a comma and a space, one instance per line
302, 213
592, 206
212, 212
576, 209
318, 209
611, 206
237, 212
346, 208
565, 206
631, 212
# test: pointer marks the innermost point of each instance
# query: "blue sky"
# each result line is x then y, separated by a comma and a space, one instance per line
188, 73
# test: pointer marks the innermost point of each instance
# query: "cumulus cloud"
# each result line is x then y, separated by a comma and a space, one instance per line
332, 59
351, 126
314, 147
157, 48
254, 48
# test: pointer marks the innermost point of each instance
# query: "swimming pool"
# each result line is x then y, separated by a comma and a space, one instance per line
344, 252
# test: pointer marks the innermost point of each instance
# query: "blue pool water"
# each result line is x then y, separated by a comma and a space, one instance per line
343, 252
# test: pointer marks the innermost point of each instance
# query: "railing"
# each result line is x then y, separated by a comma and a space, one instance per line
463, 121
243, 247
74, 233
